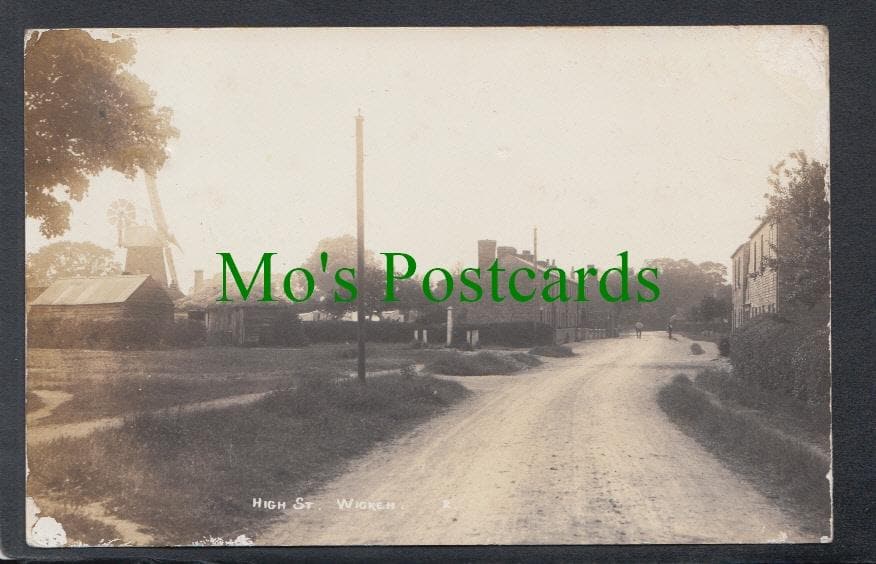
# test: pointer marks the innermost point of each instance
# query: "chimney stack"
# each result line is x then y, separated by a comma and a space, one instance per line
505, 252
199, 280
486, 253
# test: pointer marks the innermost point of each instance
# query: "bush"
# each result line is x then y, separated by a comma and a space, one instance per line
458, 364
526, 359
185, 333
695, 348
286, 331
724, 346
334, 331
784, 357
558, 351
515, 334
111, 334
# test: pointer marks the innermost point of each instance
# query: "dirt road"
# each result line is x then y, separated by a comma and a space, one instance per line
576, 452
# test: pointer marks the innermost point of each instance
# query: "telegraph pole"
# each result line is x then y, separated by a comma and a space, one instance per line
360, 245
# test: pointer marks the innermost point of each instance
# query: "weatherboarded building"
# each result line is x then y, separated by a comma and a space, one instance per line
758, 287
125, 311
249, 323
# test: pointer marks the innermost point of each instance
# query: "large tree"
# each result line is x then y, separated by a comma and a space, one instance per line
84, 112
684, 287
68, 259
341, 253
799, 204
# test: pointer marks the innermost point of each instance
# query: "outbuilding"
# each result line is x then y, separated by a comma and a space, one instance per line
124, 310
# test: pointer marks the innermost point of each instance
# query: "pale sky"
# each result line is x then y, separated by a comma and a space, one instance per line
652, 140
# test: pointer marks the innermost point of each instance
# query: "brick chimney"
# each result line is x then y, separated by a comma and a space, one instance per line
503, 253
199, 280
486, 253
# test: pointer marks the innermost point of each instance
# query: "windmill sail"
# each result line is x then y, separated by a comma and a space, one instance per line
161, 223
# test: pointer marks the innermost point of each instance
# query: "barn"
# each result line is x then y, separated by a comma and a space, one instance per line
108, 311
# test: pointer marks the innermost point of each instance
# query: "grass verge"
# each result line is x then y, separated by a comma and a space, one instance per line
783, 466
557, 351
190, 476
455, 363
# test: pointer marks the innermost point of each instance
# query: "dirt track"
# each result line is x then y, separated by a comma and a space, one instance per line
576, 452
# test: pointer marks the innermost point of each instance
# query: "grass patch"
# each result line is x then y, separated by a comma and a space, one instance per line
133, 394
793, 416
113, 383
189, 476
558, 351
695, 348
783, 466
455, 363
82, 529
33, 402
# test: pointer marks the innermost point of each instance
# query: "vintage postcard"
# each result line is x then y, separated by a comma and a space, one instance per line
421, 286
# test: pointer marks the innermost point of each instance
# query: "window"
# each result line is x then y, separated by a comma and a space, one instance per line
754, 257
762, 259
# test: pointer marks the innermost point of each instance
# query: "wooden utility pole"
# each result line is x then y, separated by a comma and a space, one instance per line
360, 245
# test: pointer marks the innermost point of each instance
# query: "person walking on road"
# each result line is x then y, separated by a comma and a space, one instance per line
669, 330
639, 328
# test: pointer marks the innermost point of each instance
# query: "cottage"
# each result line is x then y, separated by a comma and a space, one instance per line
758, 287
119, 310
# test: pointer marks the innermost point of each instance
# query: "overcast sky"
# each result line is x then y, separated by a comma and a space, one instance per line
652, 140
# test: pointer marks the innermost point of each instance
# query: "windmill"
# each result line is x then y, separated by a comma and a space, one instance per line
148, 248
121, 213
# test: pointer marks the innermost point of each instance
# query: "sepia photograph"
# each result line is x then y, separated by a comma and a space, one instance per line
427, 286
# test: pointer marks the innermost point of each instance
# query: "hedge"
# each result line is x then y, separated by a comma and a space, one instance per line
782, 356
517, 334
95, 334
511, 334
333, 331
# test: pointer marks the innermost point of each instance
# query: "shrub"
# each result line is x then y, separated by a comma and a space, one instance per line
458, 364
724, 346
784, 357
526, 359
558, 351
185, 333
112, 334
695, 348
335, 331
515, 334
286, 330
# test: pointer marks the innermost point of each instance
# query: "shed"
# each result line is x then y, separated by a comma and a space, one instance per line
248, 323
117, 310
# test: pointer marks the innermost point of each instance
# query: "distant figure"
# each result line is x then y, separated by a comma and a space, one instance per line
669, 330
639, 328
